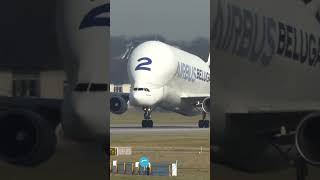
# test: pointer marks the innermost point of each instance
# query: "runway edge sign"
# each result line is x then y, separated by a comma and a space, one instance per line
113, 151
118, 151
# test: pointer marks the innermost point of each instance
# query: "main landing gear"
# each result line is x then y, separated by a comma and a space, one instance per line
296, 160
301, 168
204, 123
147, 122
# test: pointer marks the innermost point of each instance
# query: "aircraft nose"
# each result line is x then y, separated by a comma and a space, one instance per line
142, 99
145, 96
85, 121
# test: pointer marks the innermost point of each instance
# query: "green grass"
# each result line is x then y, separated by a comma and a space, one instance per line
185, 139
191, 163
193, 160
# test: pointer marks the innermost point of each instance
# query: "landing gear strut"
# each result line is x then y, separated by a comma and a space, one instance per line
299, 163
147, 121
204, 123
301, 168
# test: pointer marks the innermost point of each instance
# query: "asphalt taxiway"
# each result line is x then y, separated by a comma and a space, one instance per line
136, 128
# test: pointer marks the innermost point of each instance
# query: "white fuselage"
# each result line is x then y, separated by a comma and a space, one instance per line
161, 75
83, 29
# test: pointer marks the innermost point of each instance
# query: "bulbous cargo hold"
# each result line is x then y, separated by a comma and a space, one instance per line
27, 128
156, 64
152, 62
265, 85
83, 29
165, 76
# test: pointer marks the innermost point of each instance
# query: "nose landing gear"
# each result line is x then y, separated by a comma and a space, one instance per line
147, 121
204, 123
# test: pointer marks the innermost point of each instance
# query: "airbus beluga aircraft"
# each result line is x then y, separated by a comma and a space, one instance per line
27, 128
266, 91
165, 76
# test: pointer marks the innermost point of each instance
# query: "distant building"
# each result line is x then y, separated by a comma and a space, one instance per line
123, 88
45, 84
40, 83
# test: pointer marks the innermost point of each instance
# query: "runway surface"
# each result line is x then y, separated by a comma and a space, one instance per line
136, 128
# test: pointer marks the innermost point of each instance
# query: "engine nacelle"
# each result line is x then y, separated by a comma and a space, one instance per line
307, 138
206, 105
118, 105
26, 138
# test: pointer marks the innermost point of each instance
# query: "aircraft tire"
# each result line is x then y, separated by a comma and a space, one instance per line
201, 123
150, 123
144, 123
147, 124
206, 123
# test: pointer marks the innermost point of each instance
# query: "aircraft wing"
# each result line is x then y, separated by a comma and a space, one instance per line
269, 122
194, 98
289, 107
29, 102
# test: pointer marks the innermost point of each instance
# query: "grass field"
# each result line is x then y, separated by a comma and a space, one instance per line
184, 147
191, 164
220, 172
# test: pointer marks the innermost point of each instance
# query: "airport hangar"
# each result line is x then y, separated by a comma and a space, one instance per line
44, 82
39, 82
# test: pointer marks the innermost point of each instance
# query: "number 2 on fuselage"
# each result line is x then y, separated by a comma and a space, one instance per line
143, 65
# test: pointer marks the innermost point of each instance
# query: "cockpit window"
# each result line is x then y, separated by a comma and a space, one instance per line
81, 87
141, 89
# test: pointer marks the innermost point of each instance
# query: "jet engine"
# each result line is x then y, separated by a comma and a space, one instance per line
307, 138
206, 105
26, 138
118, 105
